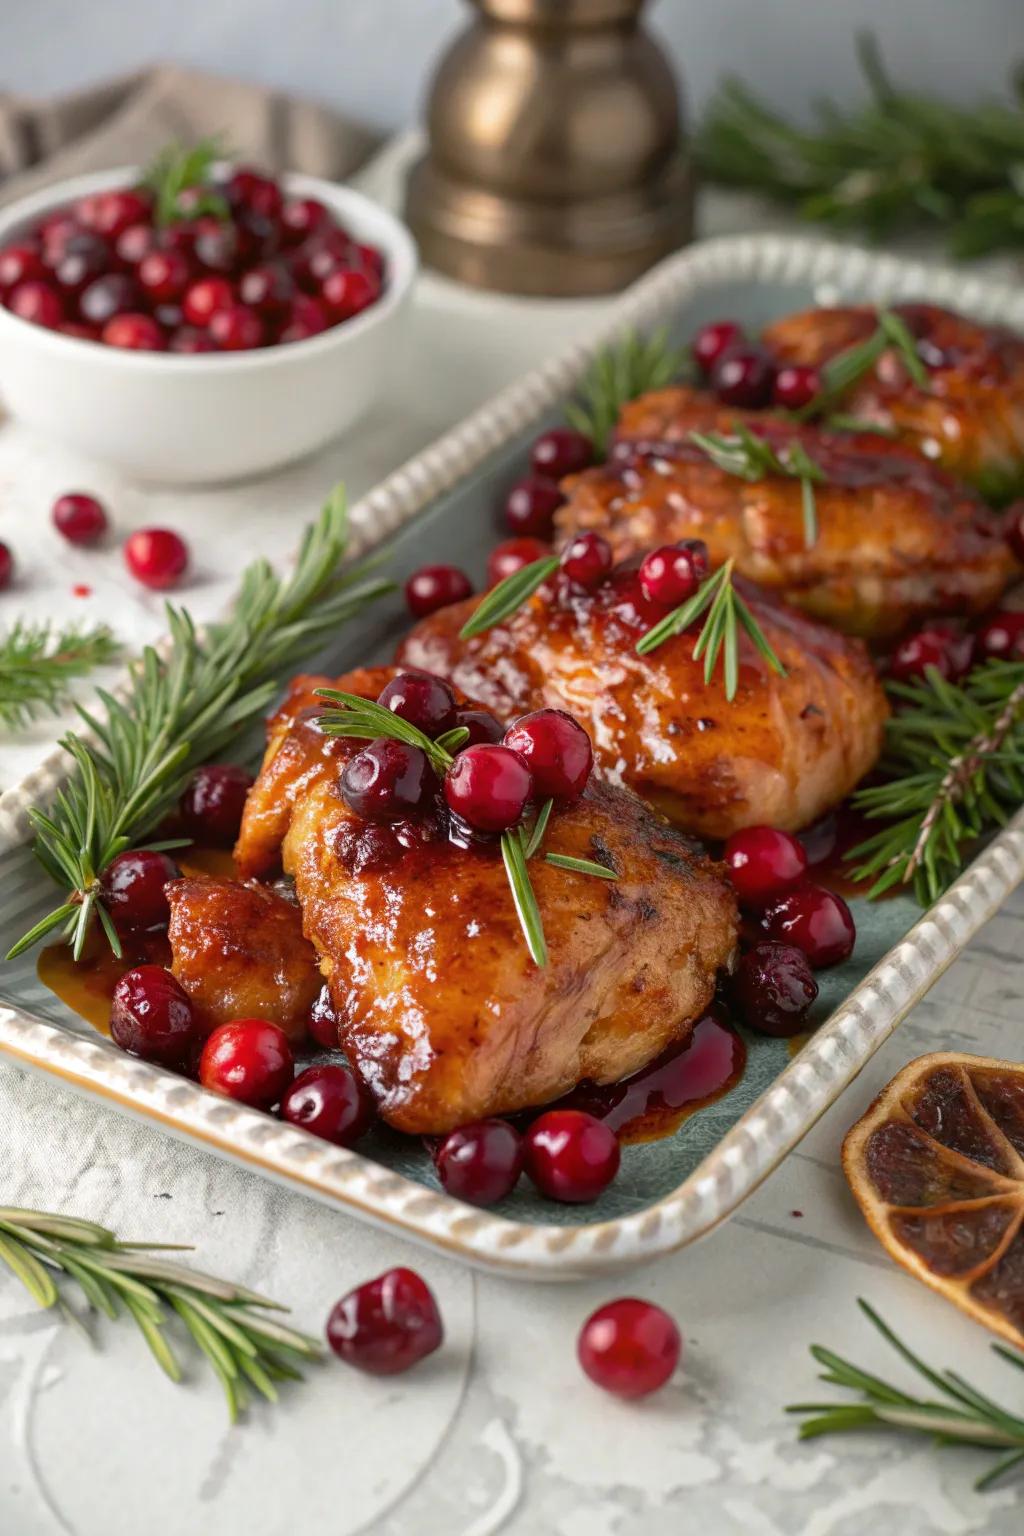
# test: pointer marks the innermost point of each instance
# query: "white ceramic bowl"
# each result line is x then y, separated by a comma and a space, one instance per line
207, 417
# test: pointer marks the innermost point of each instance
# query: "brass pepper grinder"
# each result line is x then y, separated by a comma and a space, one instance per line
556, 162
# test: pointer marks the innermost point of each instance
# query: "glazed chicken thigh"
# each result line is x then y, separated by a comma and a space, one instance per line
897, 539
440, 1007
782, 752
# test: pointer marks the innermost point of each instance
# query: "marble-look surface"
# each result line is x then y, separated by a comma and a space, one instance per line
499, 1432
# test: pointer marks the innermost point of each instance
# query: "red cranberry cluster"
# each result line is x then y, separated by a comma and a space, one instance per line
276, 269
742, 374
953, 651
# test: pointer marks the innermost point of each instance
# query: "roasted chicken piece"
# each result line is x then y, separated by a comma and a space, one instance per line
440, 1007
969, 417
782, 752
239, 952
897, 539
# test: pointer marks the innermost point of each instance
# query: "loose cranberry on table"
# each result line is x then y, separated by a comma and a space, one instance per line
387, 780
1002, 637
815, 920
425, 701
331, 1102
571, 1156
743, 377
132, 889
134, 332
156, 556
37, 302
151, 1016
6, 566
480, 1163
530, 506
482, 726
587, 559
629, 1347
940, 645
212, 805
80, 518
762, 862
560, 452
671, 574
712, 341
796, 385
772, 989
436, 586
511, 556
556, 750
386, 1325
249, 1060
488, 787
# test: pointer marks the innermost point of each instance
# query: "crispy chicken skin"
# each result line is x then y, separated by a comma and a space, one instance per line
782, 752
971, 415
898, 540
239, 952
441, 1009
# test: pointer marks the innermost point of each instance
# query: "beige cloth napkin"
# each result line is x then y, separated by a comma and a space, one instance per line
126, 121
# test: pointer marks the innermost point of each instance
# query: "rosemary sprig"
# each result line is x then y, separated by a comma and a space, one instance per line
232, 1326
183, 708
954, 761
367, 720
901, 161
178, 168
847, 368
39, 661
622, 373
509, 595
727, 613
963, 1416
740, 452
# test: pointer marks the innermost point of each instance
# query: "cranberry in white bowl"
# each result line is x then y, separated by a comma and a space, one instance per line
187, 414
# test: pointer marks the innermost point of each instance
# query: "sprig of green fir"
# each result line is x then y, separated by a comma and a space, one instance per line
623, 372
235, 1329
38, 662
954, 769
960, 1416
366, 720
742, 453
183, 707
727, 614
178, 168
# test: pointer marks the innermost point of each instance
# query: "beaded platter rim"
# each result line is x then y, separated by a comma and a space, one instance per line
759, 1140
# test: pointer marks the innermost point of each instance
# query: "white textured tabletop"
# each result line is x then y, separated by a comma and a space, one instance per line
499, 1432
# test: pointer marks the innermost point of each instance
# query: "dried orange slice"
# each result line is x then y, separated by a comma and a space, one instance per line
937, 1167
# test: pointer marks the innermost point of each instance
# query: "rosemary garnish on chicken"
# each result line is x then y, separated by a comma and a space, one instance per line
622, 372
742, 453
38, 662
727, 614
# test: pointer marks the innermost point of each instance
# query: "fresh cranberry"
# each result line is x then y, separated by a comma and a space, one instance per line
6, 566
939, 645
773, 987
481, 1163
561, 452
115, 293
305, 318
249, 1060
155, 556
387, 780
86, 258
369, 257
488, 787
77, 329
302, 217
743, 377
216, 246
205, 297
629, 1347
79, 518
19, 264
319, 257
134, 332
762, 862
1002, 636
796, 385
54, 232
249, 188
323, 1021
151, 1016
1013, 526
164, 275
135, 242
530, 506
557, 751
37, 302
386, 1325
269, 290
483, 728
436, 586
236, 329
587, 559
713, 341
505, 559
330, 1101
671, 574
816, 920
110, 213
132, 889
348, 290
213, 802
188, 340
423, 700
571, 1156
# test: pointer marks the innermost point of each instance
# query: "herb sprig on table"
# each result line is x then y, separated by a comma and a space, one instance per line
38, 662
234, 1328
960, 1416
902, 161
183, 708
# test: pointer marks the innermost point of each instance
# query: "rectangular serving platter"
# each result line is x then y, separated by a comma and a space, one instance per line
440, 506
